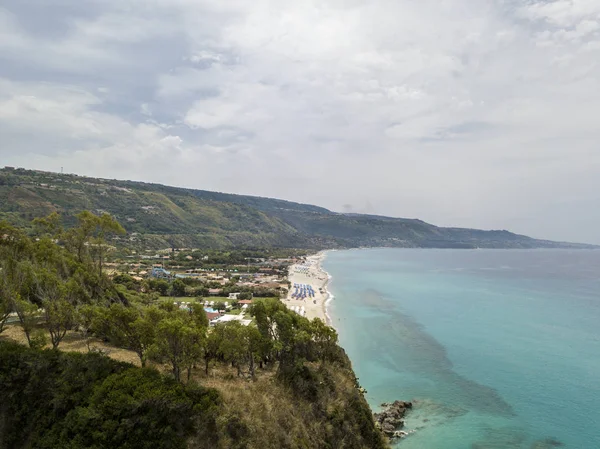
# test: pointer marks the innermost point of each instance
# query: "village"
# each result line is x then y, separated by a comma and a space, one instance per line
218, 280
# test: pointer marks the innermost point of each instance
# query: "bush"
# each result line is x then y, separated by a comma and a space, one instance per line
52, 399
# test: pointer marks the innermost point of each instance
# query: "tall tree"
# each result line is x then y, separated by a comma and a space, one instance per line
106, 226
5, 304
255, 346
57, 301
234, 346
60, 317
178, 343
130, 327
91, 233
325, 338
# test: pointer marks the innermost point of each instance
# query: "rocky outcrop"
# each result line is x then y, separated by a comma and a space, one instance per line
391, 419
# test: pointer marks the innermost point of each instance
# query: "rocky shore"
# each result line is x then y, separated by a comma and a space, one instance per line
391, 419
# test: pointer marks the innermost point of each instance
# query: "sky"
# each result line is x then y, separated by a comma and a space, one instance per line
471, 113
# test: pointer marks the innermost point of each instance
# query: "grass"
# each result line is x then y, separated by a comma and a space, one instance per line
74, 342
177, 299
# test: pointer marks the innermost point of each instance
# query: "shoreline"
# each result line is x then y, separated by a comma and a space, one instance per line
311, 273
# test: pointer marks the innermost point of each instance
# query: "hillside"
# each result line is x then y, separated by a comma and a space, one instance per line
160, 216
54, 399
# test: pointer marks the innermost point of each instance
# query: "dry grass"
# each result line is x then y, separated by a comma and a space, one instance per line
74, 342
274, 417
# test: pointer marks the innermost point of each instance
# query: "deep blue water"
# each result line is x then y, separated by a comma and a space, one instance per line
501, 348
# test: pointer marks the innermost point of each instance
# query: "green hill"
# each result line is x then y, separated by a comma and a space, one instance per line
161, 216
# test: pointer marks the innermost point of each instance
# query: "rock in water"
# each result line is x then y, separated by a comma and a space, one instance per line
391, 418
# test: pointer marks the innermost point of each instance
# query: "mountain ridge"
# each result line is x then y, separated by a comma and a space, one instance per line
157, 215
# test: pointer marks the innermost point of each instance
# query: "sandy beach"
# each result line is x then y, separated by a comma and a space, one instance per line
310, 273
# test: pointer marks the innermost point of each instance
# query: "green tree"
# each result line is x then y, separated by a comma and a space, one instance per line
325, 338
84, 317
49, 226
28, 315
91, 233
255, 346
234, 345
57, 302
106, 226
159, 285
198, 315
60, 317
178, 343
220, 305
178, 288
130, 327
212, 345
78, 238
5, 304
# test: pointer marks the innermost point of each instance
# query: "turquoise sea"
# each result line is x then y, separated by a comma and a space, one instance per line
500, 348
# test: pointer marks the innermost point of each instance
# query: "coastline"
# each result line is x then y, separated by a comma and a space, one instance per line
311, 273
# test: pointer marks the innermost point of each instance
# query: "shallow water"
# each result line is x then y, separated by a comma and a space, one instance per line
501, 348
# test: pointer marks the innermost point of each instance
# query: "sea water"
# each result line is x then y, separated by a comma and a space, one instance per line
499, 348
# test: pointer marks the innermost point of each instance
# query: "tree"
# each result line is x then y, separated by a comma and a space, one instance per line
84, 317
179, 344
255, 346
106, 225
325, 338
220, 305
159, 285
129, 327
5, 304
49, 226
60, 316
28, 315
178, 288
5, 311
198, 315
211, 347
55, 296
264, 311
234, 345
78, 238
91, 232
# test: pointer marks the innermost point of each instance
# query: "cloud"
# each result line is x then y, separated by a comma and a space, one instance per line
461, 112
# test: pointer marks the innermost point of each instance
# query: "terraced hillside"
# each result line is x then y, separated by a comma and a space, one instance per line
161, 216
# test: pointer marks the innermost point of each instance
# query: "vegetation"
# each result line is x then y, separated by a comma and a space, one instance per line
54, 283
52, 399
157, 216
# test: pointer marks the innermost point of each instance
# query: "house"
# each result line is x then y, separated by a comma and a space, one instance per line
233, 295
245, 301
212, 316
214, 291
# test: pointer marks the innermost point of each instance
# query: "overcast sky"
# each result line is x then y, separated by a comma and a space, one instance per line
474, 113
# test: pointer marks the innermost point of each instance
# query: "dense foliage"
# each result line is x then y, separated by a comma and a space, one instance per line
67, 400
